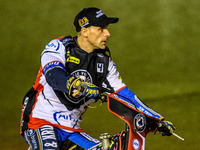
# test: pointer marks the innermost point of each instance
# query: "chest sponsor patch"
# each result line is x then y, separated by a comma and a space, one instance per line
72, 59
83, 74
64, 116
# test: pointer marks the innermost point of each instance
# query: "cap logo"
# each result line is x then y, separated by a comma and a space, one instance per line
99, 13
83, 22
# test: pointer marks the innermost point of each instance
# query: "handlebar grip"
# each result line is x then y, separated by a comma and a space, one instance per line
102, 90
81, 89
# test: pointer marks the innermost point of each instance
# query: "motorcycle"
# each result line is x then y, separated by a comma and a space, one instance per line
137, 123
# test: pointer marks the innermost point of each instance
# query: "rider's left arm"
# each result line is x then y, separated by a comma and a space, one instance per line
129, 97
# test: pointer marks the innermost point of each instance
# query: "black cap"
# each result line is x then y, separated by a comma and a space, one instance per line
92, 17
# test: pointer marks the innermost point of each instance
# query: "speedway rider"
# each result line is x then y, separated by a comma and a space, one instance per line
72, 69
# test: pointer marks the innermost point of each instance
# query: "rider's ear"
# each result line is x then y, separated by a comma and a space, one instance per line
84, 32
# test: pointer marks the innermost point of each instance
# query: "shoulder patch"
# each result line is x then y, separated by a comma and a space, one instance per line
67, 40
55, 45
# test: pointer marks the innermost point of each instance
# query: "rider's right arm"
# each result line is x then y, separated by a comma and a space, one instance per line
53, 63
53, 60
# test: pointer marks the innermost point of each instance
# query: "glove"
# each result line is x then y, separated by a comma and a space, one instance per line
166, 128
76, 88
88, 90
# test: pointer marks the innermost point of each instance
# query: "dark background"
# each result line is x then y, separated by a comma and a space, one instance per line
155, 45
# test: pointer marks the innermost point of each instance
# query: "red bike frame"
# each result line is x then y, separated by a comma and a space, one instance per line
138, 124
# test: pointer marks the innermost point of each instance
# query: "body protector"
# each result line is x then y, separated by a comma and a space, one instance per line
90, 67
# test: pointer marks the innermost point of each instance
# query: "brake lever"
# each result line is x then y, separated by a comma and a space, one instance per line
103, 97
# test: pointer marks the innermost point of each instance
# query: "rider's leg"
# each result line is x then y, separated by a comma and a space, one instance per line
80, 141
48, 137
43, 138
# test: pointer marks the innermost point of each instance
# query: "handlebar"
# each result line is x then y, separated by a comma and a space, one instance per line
163, 128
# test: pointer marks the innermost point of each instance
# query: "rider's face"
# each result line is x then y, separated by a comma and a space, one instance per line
98, 36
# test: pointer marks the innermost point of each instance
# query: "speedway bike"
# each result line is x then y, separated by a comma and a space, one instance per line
137, 123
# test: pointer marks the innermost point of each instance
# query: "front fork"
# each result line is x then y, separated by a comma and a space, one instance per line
125, 144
